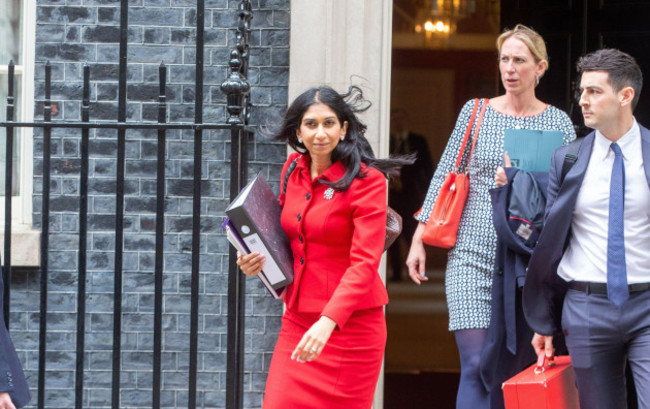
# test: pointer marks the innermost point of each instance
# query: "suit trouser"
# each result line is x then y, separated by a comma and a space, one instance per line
601, 338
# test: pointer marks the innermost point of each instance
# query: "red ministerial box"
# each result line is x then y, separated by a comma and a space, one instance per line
552, 388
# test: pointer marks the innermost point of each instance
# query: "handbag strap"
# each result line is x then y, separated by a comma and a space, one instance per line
290, 169
478, 126
468, 131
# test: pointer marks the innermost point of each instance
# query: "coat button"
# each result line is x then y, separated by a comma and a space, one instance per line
302, 260
300, 239
308, 196
299, 217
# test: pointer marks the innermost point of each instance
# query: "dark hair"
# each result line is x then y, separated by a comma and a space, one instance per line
622, 68
354, 149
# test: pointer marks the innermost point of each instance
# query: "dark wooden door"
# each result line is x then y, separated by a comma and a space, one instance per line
623, 24
572, 28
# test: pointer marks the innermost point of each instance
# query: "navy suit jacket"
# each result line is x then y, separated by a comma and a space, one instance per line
12, 379
507, 350
544, 290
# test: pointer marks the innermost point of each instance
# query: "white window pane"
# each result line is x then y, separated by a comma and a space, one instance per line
3, 135
10, 49
10, 29
17, 42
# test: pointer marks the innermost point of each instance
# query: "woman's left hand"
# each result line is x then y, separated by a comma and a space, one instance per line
312, 343
500, 178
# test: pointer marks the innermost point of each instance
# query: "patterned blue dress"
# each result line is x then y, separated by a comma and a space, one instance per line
468, 279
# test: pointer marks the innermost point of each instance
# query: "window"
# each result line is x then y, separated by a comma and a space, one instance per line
17, 22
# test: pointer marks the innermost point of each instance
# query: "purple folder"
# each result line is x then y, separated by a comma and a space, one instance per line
254, 224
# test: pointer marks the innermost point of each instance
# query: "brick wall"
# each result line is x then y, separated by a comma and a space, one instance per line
70, 33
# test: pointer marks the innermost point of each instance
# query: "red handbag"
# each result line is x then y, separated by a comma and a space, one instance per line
442, 227
549, 384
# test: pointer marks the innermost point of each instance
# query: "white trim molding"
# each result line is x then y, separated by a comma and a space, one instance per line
25, 247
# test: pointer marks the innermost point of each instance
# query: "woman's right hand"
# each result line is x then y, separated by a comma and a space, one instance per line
251, 264
417, 257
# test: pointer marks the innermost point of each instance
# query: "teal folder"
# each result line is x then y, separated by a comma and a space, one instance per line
531, 150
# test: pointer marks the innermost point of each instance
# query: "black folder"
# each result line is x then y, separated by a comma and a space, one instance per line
255, 217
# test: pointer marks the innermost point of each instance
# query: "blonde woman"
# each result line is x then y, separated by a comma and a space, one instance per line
468, 280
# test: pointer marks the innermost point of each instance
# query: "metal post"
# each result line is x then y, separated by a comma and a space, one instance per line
196, 204
9, 172
83, 239
45, 238
236, 87
119, 208
160, 231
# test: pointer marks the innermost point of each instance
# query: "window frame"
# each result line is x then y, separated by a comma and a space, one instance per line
21, 210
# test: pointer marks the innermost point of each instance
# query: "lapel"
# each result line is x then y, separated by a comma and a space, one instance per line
645, 151
556, 227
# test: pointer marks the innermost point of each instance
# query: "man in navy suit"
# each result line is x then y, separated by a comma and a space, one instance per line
14, 392
589, 275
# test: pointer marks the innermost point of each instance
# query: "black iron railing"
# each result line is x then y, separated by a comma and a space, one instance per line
236, 88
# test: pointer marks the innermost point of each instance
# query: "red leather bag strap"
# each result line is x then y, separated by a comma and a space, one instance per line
467, 133
478, 126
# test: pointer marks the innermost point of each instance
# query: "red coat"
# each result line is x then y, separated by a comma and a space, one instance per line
337, 244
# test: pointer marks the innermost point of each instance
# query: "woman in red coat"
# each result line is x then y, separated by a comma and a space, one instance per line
330, 347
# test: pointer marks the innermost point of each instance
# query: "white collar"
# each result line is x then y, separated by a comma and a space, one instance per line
626, 142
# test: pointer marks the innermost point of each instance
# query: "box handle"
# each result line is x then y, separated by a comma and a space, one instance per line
544, 362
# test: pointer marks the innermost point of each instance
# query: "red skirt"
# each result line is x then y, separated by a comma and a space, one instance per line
343, 376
